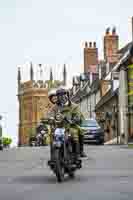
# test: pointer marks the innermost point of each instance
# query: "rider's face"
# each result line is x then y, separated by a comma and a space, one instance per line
63, 98
54, 99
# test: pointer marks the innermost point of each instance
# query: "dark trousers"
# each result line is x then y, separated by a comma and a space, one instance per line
81, 143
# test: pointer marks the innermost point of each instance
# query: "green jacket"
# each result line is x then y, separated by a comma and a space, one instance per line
67, 111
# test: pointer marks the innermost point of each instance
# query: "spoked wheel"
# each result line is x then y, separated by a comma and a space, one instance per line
59, 166
71, 172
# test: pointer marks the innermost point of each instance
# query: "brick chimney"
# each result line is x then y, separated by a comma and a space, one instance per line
111, 44
90, 57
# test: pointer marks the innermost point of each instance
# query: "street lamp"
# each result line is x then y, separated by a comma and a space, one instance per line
115, 112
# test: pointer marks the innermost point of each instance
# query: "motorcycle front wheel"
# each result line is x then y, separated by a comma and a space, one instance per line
59, 167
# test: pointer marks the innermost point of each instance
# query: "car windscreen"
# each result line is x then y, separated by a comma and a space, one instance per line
89, 123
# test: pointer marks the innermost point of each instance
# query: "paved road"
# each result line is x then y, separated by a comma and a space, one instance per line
107, 174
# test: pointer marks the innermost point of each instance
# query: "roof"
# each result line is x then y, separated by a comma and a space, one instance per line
82, 93
107, 97
126, 52
95, 86
125, 48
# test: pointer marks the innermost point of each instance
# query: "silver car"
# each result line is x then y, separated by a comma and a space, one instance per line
92, 131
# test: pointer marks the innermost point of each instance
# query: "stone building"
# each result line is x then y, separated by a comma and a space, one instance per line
116, 105
113, 99
33, 103
125, 95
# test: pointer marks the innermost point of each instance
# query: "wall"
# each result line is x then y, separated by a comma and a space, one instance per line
88, 104
84, 108
108, 124
98, 96
130, 98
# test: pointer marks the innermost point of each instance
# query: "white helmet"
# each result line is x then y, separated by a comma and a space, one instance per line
52, 93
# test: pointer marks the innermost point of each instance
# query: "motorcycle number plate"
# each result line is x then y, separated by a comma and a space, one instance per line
43, 132
90, 136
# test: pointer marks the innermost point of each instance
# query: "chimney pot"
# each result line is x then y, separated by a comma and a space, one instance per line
107, 31
114, 31
86, 45
94, 44
90, 44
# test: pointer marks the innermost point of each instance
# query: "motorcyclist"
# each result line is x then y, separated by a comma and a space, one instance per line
68, 109
39, 138
41, 130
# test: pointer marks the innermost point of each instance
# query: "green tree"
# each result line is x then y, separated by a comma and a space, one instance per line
6, 141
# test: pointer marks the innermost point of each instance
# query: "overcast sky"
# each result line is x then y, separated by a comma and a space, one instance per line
51, 32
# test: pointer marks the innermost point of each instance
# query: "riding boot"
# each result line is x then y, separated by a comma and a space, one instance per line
76, 150
81, 146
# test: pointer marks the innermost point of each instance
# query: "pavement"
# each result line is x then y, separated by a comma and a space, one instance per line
107, 173
113, 141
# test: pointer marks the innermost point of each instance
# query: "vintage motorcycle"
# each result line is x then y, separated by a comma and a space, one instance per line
41, 137
62, 157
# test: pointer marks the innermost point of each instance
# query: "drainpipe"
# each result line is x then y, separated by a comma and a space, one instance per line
123, 102
90, 108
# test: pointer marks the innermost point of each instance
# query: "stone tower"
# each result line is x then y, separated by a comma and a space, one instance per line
33, 104
90, 57
111, 45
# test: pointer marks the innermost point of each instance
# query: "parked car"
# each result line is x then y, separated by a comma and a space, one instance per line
92, 131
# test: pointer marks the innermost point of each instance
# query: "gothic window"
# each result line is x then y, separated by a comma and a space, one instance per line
28, 111
43, 105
